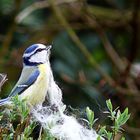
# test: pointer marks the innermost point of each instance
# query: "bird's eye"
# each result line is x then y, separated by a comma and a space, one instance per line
39, 50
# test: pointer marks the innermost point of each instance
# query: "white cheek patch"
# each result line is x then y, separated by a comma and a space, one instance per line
39, 57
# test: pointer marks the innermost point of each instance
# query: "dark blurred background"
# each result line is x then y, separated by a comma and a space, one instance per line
95, 54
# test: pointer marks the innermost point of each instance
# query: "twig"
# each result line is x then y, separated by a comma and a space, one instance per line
100, 12
136, 31
136, 36
83, 49
127, 91
106, 43
3, 79
120, 65
37, 5
110, 13
40, 133
132, 130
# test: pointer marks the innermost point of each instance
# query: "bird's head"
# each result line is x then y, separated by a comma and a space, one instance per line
36, 54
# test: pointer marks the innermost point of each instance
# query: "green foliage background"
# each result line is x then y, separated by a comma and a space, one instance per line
95, 46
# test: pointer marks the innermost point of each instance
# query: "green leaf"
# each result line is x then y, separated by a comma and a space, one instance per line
102, 131
123, 138
109, 105
109, 135
90, 116
98, 138
122, 118
29, 129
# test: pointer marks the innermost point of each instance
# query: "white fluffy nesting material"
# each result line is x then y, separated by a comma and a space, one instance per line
62, 126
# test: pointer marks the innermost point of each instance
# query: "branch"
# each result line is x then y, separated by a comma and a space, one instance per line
3, 79
84, 50
106, 43
35, 6
117, 61
110, 13
136, 31
79, 44
136, 37
132, 130
106, 16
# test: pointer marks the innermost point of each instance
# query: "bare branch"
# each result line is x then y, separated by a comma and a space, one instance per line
79, 44
37, 5
3, 79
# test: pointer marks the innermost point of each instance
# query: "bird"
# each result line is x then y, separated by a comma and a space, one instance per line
33, 83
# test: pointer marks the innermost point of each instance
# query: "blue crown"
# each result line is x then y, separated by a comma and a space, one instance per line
31, 48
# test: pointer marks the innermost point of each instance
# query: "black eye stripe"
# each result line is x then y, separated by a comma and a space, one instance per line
38, 50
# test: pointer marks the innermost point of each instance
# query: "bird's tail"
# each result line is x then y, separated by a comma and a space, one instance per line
4, 101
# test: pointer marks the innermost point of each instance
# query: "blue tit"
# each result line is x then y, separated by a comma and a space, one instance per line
34, 79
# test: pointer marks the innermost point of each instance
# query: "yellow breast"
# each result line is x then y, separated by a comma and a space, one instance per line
36, 93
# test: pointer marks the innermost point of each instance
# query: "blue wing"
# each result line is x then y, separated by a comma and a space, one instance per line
23, 85
4, 101
27, 78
